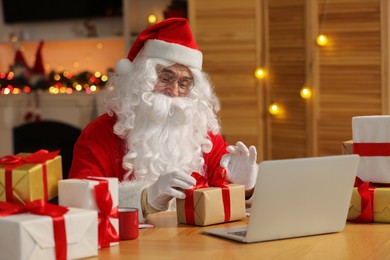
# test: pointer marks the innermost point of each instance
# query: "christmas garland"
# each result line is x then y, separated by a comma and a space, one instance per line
54, 82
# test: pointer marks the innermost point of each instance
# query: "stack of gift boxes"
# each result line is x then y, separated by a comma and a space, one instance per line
85, 219
371, 195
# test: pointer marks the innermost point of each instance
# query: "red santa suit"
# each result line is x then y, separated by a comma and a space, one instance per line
99, 151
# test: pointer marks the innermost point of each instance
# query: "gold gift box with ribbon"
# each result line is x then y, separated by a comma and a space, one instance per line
209, 206
26, 179
380, 205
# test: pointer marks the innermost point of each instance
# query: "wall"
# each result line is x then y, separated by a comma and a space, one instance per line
67, 44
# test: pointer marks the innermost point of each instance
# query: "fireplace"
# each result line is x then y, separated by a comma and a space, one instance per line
48, 135
62, 119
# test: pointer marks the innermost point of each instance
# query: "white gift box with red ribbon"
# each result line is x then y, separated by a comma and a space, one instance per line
81, 193
371, 140
29, 236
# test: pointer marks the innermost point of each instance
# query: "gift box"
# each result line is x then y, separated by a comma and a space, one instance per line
209, 206
371, 140
26, 177
31, 236
100, 194
373, 205
347, 147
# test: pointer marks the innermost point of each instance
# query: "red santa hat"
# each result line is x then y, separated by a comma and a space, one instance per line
171, 40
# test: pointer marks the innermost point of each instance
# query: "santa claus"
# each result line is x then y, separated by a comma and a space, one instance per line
160, 125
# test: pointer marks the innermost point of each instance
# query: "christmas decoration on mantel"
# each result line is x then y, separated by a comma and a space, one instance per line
23, 79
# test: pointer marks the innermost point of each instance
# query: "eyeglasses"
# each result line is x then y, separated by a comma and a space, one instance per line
166, 77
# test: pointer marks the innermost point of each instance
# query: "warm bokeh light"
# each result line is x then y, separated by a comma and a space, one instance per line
26, 89
5, 91
260, 73
305, 93
58, 83
16, 91
152, 19
53, 90
274, 109
79, 87
322, 40
10, 75
76, 64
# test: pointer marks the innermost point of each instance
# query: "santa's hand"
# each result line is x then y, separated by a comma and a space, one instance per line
240, 164
169, 186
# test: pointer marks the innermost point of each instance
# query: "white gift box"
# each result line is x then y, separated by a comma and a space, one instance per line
79, 193
372, 129
30, 236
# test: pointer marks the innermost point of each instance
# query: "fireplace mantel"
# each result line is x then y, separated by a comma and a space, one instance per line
77, 109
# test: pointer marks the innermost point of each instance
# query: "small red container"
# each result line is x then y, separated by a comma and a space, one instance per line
128, 223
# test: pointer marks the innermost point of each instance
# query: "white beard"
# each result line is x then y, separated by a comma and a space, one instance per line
168, 134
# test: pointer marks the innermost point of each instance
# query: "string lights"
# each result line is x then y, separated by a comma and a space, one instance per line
57, 83
152, 19
322, 40
260, 73
305, 93
274, 109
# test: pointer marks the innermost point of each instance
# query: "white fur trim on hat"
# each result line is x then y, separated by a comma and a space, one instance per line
173, 52
122, 67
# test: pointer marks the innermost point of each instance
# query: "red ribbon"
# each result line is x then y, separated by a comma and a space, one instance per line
366, 192
40, 207
218, 179
14, 161
371, 149
107, 232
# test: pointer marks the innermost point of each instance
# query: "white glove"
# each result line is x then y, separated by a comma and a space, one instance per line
240, 164
169, 186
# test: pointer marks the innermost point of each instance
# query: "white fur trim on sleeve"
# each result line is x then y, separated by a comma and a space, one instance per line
130, 196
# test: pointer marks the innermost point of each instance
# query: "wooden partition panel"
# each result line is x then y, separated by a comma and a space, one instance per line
350, 68
286, 66
226, 34
349, 76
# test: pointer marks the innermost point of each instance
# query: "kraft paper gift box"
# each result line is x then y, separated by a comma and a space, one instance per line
29, 236
22, 176
380, 210
209, 206
80, 193
347, 147
371, 140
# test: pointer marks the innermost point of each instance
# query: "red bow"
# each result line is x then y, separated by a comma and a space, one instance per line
107, 232
218, 179
14, 161
40, 207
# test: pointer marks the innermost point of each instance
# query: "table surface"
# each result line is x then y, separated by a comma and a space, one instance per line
170, 240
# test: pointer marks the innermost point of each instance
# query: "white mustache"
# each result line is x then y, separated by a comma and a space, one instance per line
178, 109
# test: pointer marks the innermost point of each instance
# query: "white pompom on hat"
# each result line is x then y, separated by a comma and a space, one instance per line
170, 39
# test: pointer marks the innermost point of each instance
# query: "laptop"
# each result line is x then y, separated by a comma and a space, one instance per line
297, 197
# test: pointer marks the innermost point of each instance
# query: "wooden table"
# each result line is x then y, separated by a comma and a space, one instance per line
169, 240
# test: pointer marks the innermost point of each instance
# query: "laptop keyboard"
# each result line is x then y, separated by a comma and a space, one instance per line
238, 233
